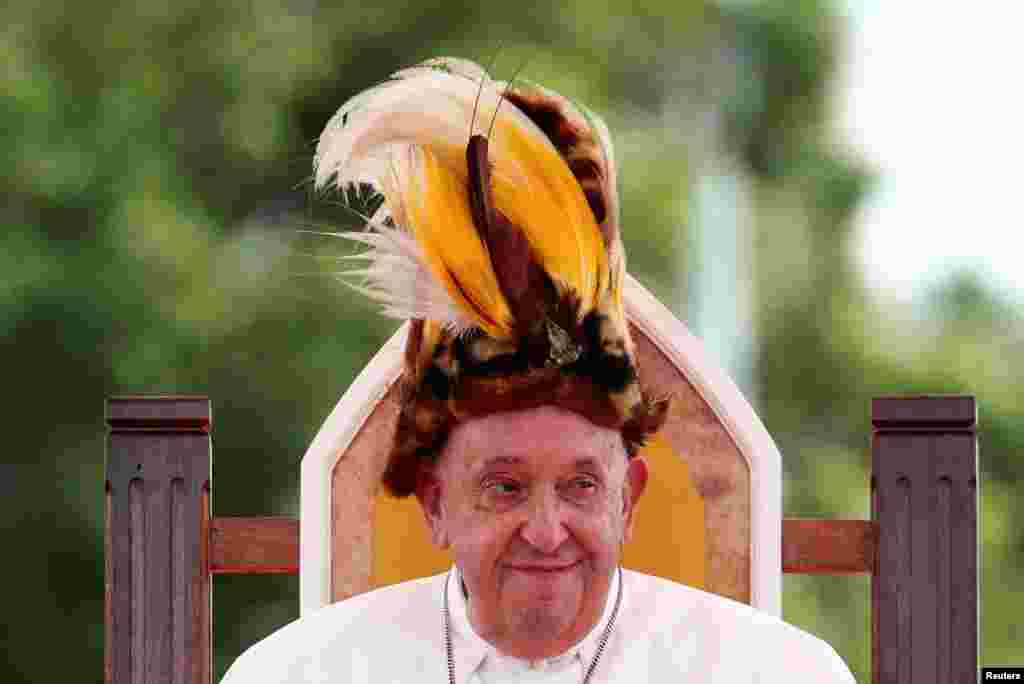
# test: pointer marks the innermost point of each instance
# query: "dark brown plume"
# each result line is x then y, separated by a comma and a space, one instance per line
522, 280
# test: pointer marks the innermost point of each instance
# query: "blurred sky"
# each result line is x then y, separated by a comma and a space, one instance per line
929, 94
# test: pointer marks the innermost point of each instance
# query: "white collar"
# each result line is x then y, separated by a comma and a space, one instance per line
470, 649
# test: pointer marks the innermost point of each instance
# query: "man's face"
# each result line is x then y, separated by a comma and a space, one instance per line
535, 506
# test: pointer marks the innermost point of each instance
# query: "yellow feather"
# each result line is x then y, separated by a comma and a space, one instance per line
547, 203
440, 219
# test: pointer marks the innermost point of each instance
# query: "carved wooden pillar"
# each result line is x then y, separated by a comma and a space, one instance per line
157, 583
924, 501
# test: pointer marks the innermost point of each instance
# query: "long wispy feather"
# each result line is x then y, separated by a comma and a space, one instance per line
397, 276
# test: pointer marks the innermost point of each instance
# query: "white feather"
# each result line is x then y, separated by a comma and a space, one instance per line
397, 276
423, 106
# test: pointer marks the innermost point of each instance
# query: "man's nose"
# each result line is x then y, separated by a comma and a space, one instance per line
544, 528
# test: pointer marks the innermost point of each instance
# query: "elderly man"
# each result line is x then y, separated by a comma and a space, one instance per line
522, 415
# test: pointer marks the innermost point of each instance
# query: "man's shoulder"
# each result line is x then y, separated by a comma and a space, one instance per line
668, 601
324, 640
678, 619
669, 604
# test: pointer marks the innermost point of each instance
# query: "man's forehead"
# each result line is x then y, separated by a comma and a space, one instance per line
533, 438
536, 422
498, 460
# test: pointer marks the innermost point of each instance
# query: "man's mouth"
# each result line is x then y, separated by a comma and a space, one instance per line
544, 568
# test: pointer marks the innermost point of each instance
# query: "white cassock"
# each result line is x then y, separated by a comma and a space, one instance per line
664, 632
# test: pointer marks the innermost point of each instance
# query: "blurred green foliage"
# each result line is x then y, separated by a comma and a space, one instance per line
156, 176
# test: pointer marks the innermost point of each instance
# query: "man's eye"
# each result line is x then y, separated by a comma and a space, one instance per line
502, 488
584, 485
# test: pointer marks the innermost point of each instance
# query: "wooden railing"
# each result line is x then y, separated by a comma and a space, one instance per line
920, 546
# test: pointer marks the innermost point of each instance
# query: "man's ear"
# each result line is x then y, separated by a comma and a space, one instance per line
429, 493
633, 487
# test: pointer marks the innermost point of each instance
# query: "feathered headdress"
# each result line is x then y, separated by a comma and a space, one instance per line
502, 247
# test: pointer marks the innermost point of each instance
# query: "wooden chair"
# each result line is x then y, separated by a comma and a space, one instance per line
711, 516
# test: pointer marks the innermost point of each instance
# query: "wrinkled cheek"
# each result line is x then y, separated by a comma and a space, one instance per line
606, 540
479, 556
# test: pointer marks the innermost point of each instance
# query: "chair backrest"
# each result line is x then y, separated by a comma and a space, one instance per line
714, 496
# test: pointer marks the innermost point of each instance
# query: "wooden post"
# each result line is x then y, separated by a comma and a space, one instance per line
157, 579
924, 501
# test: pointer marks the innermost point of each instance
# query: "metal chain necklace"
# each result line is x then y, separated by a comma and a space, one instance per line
593, 663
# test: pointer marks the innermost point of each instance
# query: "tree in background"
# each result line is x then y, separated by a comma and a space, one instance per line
157, 172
